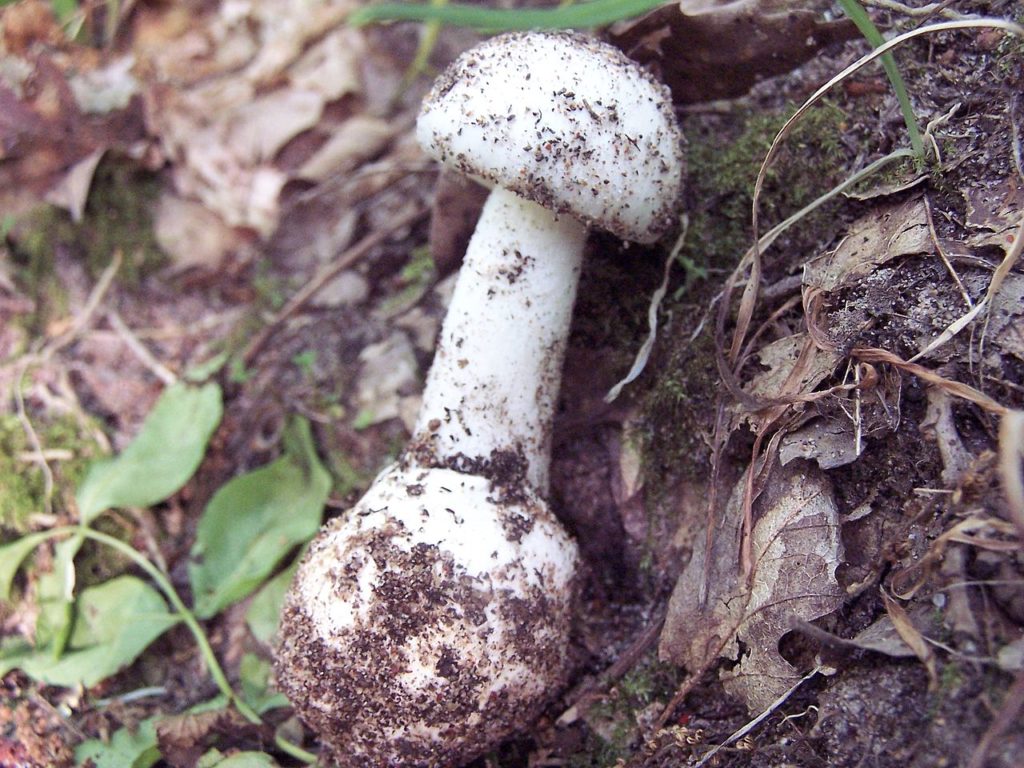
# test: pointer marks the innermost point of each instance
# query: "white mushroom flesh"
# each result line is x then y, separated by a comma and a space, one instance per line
564, 120
430, 621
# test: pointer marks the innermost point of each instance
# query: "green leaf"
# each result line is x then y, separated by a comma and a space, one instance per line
162, 457
13, 651
254, 675
264, 613
114, 623
255, 520
215, 759
11, 557
594, 13
127, 748
54, 594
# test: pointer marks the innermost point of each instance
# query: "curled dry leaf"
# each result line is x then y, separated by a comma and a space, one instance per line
267, 77
796, 548
355, 141
884, 234
715, 49
191, 234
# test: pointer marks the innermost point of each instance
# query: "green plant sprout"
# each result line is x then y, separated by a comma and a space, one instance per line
856, 13
250, 525
594, 13
187, 617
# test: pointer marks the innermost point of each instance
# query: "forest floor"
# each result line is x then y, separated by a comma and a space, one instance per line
802, 525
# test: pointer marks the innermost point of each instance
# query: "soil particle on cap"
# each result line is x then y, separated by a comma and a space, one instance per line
561, 158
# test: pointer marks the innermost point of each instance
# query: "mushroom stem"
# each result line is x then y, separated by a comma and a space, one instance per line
491, 391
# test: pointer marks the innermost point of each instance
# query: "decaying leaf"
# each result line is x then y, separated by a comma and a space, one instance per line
183, 738
791, 364
912, 636
796, 548
715, 49
388, 370
231, 94
190, 234
886, 233
71, 192
994, 211
830, 442
355, 141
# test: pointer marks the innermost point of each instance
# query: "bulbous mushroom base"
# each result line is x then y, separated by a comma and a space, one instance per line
429, 623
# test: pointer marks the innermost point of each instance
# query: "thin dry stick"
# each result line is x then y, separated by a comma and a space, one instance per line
955, 388
942, 253
1011, 451
622, 665
78, 325
925, 10
326, 274
161, 371
1008, 715
736, 736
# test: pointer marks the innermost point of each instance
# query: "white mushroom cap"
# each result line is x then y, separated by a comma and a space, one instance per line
430, 622
568, 122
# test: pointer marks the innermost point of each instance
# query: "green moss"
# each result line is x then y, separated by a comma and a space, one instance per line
270, 287
725, 154
672, 430
416, 277
117, 218
22, 480
616, 716
723, 161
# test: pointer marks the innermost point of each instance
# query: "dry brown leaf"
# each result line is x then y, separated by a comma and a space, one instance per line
913, 638
707, 50
791, 364
796, 550
829, 442
230, 90
885, 233
331, 67
107, 88
994, 211
358, 139
72, 191
191, 234
883, 637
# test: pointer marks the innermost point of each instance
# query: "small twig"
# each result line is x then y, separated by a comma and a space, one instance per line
942, 253
1011, 451
158, 369
38, 453
925, 10
67, 337
737, 735
1008, 715
83, 318
625, 662
325, 275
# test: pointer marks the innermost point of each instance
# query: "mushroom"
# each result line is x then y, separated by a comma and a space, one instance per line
432, 621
